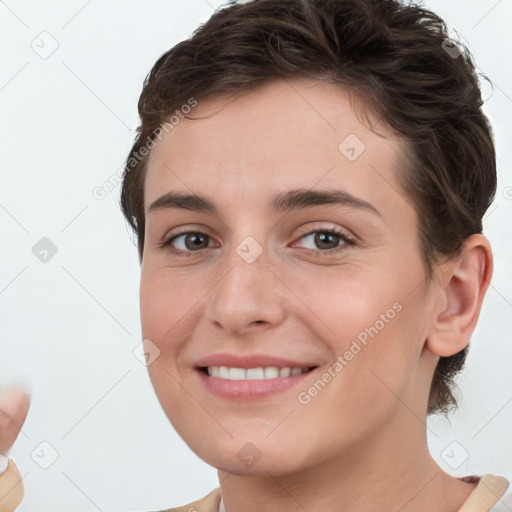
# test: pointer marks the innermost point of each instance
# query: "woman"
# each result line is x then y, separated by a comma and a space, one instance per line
307, 188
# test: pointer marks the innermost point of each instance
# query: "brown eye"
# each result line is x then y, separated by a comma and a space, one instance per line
186, 242
195, 241
326, 241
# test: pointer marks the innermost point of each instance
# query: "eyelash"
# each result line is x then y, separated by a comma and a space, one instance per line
348, 241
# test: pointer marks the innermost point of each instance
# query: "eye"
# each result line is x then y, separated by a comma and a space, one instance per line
192, 241
195, 242
328, 240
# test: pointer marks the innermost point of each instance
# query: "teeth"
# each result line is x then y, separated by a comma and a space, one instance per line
285, 372
271, 372
254, 373
236, 374
223, 372
268, 372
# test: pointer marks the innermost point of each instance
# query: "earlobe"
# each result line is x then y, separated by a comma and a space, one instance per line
465, 282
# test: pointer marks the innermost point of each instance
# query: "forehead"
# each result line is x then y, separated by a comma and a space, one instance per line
284, 134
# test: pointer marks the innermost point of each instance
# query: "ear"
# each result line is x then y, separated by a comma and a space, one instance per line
462, 287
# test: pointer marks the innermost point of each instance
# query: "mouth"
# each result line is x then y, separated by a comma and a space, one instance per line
256, 373
253, 383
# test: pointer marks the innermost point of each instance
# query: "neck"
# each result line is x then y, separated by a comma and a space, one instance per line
384, 472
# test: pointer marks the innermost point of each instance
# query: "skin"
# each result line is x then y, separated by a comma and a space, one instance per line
361, 441
14, 405
347, 448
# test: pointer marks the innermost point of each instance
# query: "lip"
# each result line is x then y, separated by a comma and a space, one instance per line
251, 361
250, 390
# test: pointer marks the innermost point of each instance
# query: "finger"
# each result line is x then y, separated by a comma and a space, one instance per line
14, 405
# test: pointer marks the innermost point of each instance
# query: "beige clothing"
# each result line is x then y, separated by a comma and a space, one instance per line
488, 496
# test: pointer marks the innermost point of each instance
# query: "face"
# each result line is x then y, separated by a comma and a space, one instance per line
286, 311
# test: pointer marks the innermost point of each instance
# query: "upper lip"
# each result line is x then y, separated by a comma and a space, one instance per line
251, 361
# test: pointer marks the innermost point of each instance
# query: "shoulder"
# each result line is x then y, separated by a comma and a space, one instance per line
495, 491
208, 503
504, 504
11, 488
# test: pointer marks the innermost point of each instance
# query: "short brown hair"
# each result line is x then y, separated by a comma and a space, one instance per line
397, 57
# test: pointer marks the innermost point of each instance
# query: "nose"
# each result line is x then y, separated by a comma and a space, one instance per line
248, 296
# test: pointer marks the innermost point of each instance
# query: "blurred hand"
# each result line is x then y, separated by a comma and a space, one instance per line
14, 405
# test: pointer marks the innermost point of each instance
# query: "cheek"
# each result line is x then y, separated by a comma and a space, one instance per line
168, 313
366, 383
165, 301
163, 308
374, 336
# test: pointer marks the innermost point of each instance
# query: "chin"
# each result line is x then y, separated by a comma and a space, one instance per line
251, 458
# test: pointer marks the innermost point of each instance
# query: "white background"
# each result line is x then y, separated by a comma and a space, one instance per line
72, 323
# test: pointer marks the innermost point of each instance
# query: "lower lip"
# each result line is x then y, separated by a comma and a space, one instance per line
248, 390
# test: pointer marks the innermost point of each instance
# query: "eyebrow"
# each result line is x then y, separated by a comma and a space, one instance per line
282, 202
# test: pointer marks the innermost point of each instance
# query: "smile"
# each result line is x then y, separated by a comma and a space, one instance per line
258, 373
254, 383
